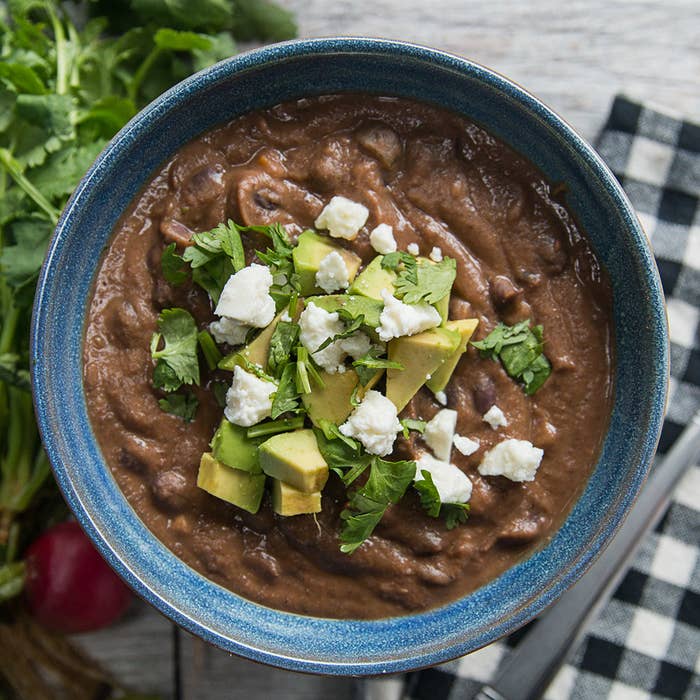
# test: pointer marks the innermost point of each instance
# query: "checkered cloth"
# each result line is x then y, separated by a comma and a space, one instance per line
646, 643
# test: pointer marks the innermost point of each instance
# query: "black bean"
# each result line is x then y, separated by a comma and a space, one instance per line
484, 394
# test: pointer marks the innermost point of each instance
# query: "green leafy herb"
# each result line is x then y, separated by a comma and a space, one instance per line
173, 266
212, 354
177, 329
165, 377
278, 258
354, 323
408, 424
283, 425
387, 483
182, 405
286, 398
432, 282
306, 371
343, 455
454, 513
220, 389
520, 349
403, 264
11, 372
284, 339
367, 365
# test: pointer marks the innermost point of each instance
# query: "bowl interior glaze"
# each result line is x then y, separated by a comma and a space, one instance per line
259, 79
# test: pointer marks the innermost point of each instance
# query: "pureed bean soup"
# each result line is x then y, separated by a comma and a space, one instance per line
439, 181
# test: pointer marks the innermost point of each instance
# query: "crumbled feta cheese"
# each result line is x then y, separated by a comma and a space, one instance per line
439, 432
413, 249
316, 325
286, 317
517, 460
228, 330
441, 398
332, 273
246, 297
374, 423
249, 399
399, 319
382, 239
343, 218
452, 484
466, 445
495, 417
436, 254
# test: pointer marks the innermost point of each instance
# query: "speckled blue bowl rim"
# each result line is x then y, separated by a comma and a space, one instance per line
352, 647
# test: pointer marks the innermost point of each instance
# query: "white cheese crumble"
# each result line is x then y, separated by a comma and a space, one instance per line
495, 417
517, 460
316, 325
246, 297
374, 423
439, 432
249, 399
441, 398
466, 445
382, 239
413, 249
452, 484
286, 317
398, 319
332, 273
436, 254
228, 330
342, 218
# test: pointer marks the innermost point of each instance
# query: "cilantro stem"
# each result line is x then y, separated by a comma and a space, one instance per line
211, 352
135, 84
15, 171
283, 425
62, 58
9, 325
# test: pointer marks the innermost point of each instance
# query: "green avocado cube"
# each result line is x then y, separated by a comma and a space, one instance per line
235, 486
232, 446
421, 355
286, 500
442, 375
295, 459
310, 249
373, 279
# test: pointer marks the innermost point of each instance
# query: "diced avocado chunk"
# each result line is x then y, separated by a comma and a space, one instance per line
243, 489
354, 304
295, 459
420, 355
332, 401
373, 279
286, 500
232, 446
441, 376
311, 248
259, 348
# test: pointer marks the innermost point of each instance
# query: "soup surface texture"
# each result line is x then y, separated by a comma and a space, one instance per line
440, 181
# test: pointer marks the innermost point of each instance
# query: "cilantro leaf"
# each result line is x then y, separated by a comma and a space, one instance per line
520, 349
359, 522
286, 285
454, 513
343, 455
286, 398
403, 263
182, 405
179, 40
408, 424
261, 19
388, 481
367, 365
172, 266
433, 281
284, 339
354, 325
177, 329
165, 377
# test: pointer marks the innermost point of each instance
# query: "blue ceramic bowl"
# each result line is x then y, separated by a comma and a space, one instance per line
259, 79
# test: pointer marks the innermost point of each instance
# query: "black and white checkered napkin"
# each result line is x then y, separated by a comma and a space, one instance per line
646, 643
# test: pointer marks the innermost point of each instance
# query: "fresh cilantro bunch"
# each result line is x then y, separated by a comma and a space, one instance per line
521, 351
66, 88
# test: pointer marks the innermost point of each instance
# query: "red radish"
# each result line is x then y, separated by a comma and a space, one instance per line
69, 587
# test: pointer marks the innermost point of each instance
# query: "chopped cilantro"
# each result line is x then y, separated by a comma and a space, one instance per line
165, 377
353, 324
182, 405
212, 354
279, 259
359, 522
343, 455
408, 424
172, 266
403, 264
454, 513
283, 425
433, 281
367, 365
306, 370
220, 390
282, 343
520, 349
177, 329
286, 398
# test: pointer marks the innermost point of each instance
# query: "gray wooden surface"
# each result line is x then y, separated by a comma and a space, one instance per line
575, 56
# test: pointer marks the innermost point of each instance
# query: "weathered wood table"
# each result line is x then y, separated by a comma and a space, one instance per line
574, 56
